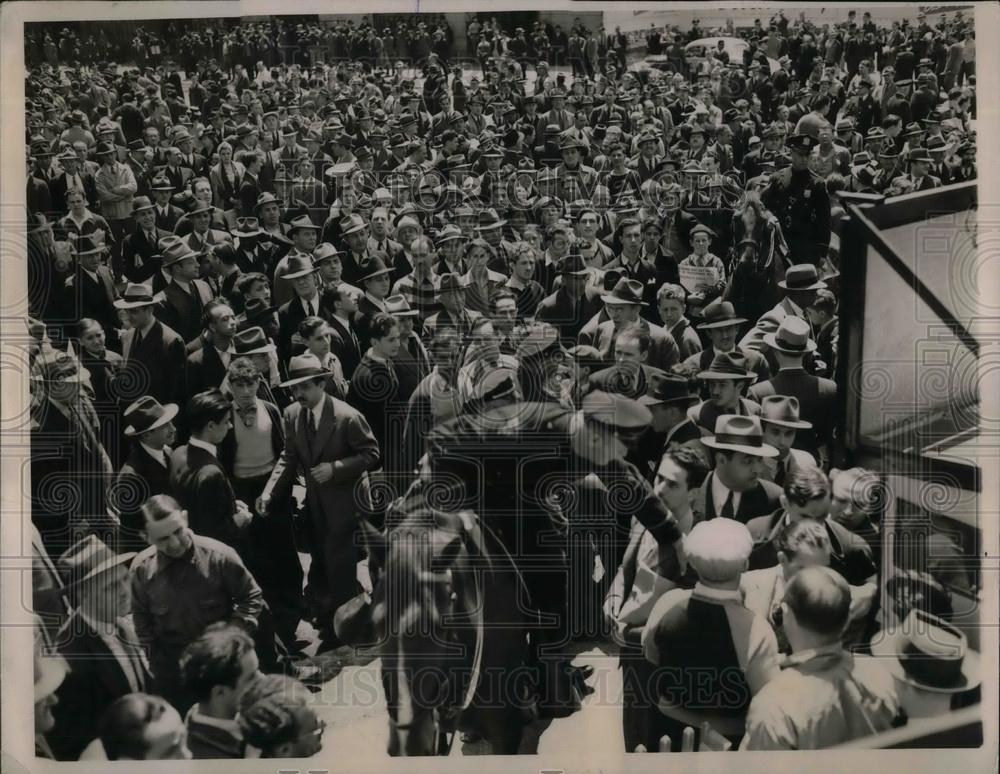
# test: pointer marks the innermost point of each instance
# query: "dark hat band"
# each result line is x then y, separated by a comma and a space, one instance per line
931, 670
757, 441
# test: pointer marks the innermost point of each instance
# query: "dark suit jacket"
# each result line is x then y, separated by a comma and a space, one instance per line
202, 487
757, 501
95, 680
140, 478
817, 403
205, 369
58, 186
560, 310
86, 298
250, 191
290, 314
157, 367
169, 221
343, 346
137, 257
374, 391
181, 311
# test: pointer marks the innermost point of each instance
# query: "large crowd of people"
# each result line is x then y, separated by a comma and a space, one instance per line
273, 295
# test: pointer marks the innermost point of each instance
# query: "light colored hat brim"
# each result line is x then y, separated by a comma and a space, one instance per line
887, 646
300, 379
710, 374
609, 299
799, 424
123, 304
721, 324
817, 285
169, 412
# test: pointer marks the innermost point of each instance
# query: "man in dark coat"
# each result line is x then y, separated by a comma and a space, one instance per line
206, 366
572, 305
153, 353
197, 478
734, 489
90, 292
185, 296
140, 254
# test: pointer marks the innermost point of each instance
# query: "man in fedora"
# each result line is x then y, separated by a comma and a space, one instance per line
816, 395
203, 236
721, 326
918, 162
412, 361
146, 472
931, 663
300, 273
185, 296
116, 186
806, 495
668, 398
253, 254
91, 291
725, 380
253, 342
825, 696
331, 444
451, 293
800, 285
376, 282
573, 304
98, 642
341, 306
303, 233
623, 305
268, 211
140, 255
734, 489
154, 354
67, 454
779, 416
167, 213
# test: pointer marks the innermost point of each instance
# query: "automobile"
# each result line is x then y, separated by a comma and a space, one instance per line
694, 52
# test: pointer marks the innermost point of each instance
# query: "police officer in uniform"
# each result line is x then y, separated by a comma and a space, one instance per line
799, 201
487, 451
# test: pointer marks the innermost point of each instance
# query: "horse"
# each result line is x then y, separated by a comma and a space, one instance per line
758, 264
453, 645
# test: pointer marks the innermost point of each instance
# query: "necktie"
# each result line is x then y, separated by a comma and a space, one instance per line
727, 511
354, 338
779, 473
310, 427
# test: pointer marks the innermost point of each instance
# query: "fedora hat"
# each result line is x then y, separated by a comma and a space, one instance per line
782, 410
298, 266
398, 306
919, 154
140, 203
719, 314
615, 411
667, 388
267, 198
161, 184
323, 251
354, 224
802, 276
573, 264
253, 341
449, 282
792, 337
303, 222
625, 291
148, 414
175, 252
303, 367
86, 559
247, 227
929, 653
375, 267
449, 233
84, 245
728, 365
136, 295
741, 434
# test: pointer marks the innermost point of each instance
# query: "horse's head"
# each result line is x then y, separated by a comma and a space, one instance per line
420, 655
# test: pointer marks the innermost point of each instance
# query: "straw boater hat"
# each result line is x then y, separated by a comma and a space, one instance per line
147, 414
738, 433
